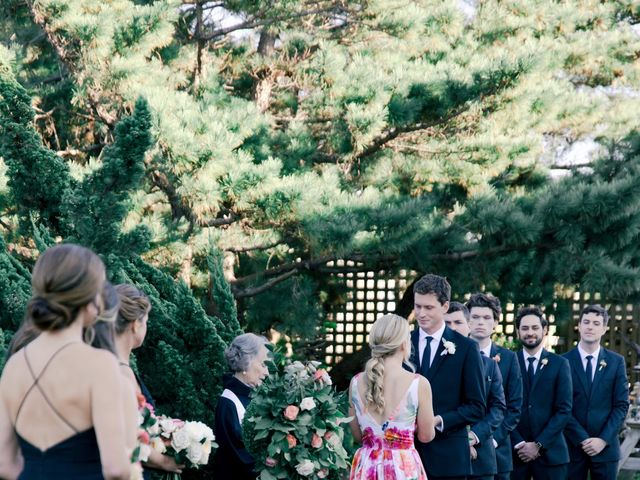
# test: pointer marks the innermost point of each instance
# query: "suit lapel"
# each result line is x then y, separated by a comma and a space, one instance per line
576, 364
415, 354
494, 350
541, 368
437, 360
523, 371
603, 357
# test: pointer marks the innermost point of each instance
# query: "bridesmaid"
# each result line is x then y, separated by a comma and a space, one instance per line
61, 401
131, 329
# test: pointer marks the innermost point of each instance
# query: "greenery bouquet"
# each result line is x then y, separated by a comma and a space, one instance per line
292, 425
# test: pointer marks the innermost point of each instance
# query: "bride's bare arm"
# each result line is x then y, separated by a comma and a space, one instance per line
425, 427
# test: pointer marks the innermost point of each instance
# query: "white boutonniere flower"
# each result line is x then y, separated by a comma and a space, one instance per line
449, 348
543, 363
496, 357
602, 364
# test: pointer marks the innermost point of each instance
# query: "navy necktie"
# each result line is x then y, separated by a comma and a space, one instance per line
589, 370
530, 370
426, 357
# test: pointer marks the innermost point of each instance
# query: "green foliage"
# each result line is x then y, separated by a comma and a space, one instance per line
389, 135
97, 207
38, 178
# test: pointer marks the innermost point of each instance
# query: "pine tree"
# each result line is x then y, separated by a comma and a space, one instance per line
390, 135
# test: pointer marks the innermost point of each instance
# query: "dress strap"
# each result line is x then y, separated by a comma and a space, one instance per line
37, 385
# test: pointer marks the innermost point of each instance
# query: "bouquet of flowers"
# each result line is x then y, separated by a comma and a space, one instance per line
148, 427
292, 425
189, 443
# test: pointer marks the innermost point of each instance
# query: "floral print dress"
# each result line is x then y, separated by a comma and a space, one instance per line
387, 451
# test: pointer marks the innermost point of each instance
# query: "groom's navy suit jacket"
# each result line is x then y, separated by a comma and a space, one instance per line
598, 411
458, 397
546, 408
512, 384
486, 463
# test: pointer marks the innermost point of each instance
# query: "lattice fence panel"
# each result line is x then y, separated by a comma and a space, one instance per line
370, 294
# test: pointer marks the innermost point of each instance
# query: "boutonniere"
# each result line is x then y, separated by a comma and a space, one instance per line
496, 357
543, 363
602, 364
449, 348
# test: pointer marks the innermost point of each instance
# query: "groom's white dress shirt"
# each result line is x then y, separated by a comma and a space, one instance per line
436, 338
583, 357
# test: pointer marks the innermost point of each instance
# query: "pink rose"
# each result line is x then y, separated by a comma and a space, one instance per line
316, 441
143, 436
292, 441
322, 473
332, 438
291, 412
270, 462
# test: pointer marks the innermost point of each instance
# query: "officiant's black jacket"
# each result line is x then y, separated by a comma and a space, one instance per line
232, 461
458, 397
546, 408
598, 411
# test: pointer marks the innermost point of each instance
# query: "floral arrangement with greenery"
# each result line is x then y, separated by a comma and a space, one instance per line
292, 426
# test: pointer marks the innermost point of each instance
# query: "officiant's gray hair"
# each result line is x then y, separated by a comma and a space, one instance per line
242, 350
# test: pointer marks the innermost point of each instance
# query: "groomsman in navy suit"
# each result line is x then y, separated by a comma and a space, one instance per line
452, 364
481, 444
539, 447
484, 316
600, 401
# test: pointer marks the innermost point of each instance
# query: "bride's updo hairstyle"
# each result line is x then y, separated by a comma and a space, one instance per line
387, 335
65, 279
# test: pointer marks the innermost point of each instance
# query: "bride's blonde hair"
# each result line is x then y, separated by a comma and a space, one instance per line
387, 335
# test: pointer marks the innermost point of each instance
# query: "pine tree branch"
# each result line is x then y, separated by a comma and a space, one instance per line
70, 63
255, 22
255, 247
251, 292
227, 219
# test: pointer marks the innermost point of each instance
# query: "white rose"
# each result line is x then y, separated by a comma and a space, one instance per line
158, 445
154, 430
194, 453
145, 451
168, 426
180, 440
305, 468
307, 403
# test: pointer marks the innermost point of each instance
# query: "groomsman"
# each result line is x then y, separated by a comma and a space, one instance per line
539, 448
484, 316
481, 444
600, 401
452, 364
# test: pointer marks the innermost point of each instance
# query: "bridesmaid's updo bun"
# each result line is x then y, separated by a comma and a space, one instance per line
134, 304
65, 279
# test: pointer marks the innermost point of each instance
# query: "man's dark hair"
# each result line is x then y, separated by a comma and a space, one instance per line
598, 310
459, 307
435, 284
486, 300
524, 311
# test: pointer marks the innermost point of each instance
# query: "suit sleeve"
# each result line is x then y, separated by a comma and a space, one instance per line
513, 397
620, 405
229, 434
562, 407
496, 407
473, 406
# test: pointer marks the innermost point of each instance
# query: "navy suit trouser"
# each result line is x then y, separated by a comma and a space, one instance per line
537, 471
502, 476
580, 468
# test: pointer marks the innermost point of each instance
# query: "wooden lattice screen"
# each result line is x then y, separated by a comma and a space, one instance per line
371, 294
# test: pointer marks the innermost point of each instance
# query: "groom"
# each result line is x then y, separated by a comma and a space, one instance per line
452, 364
